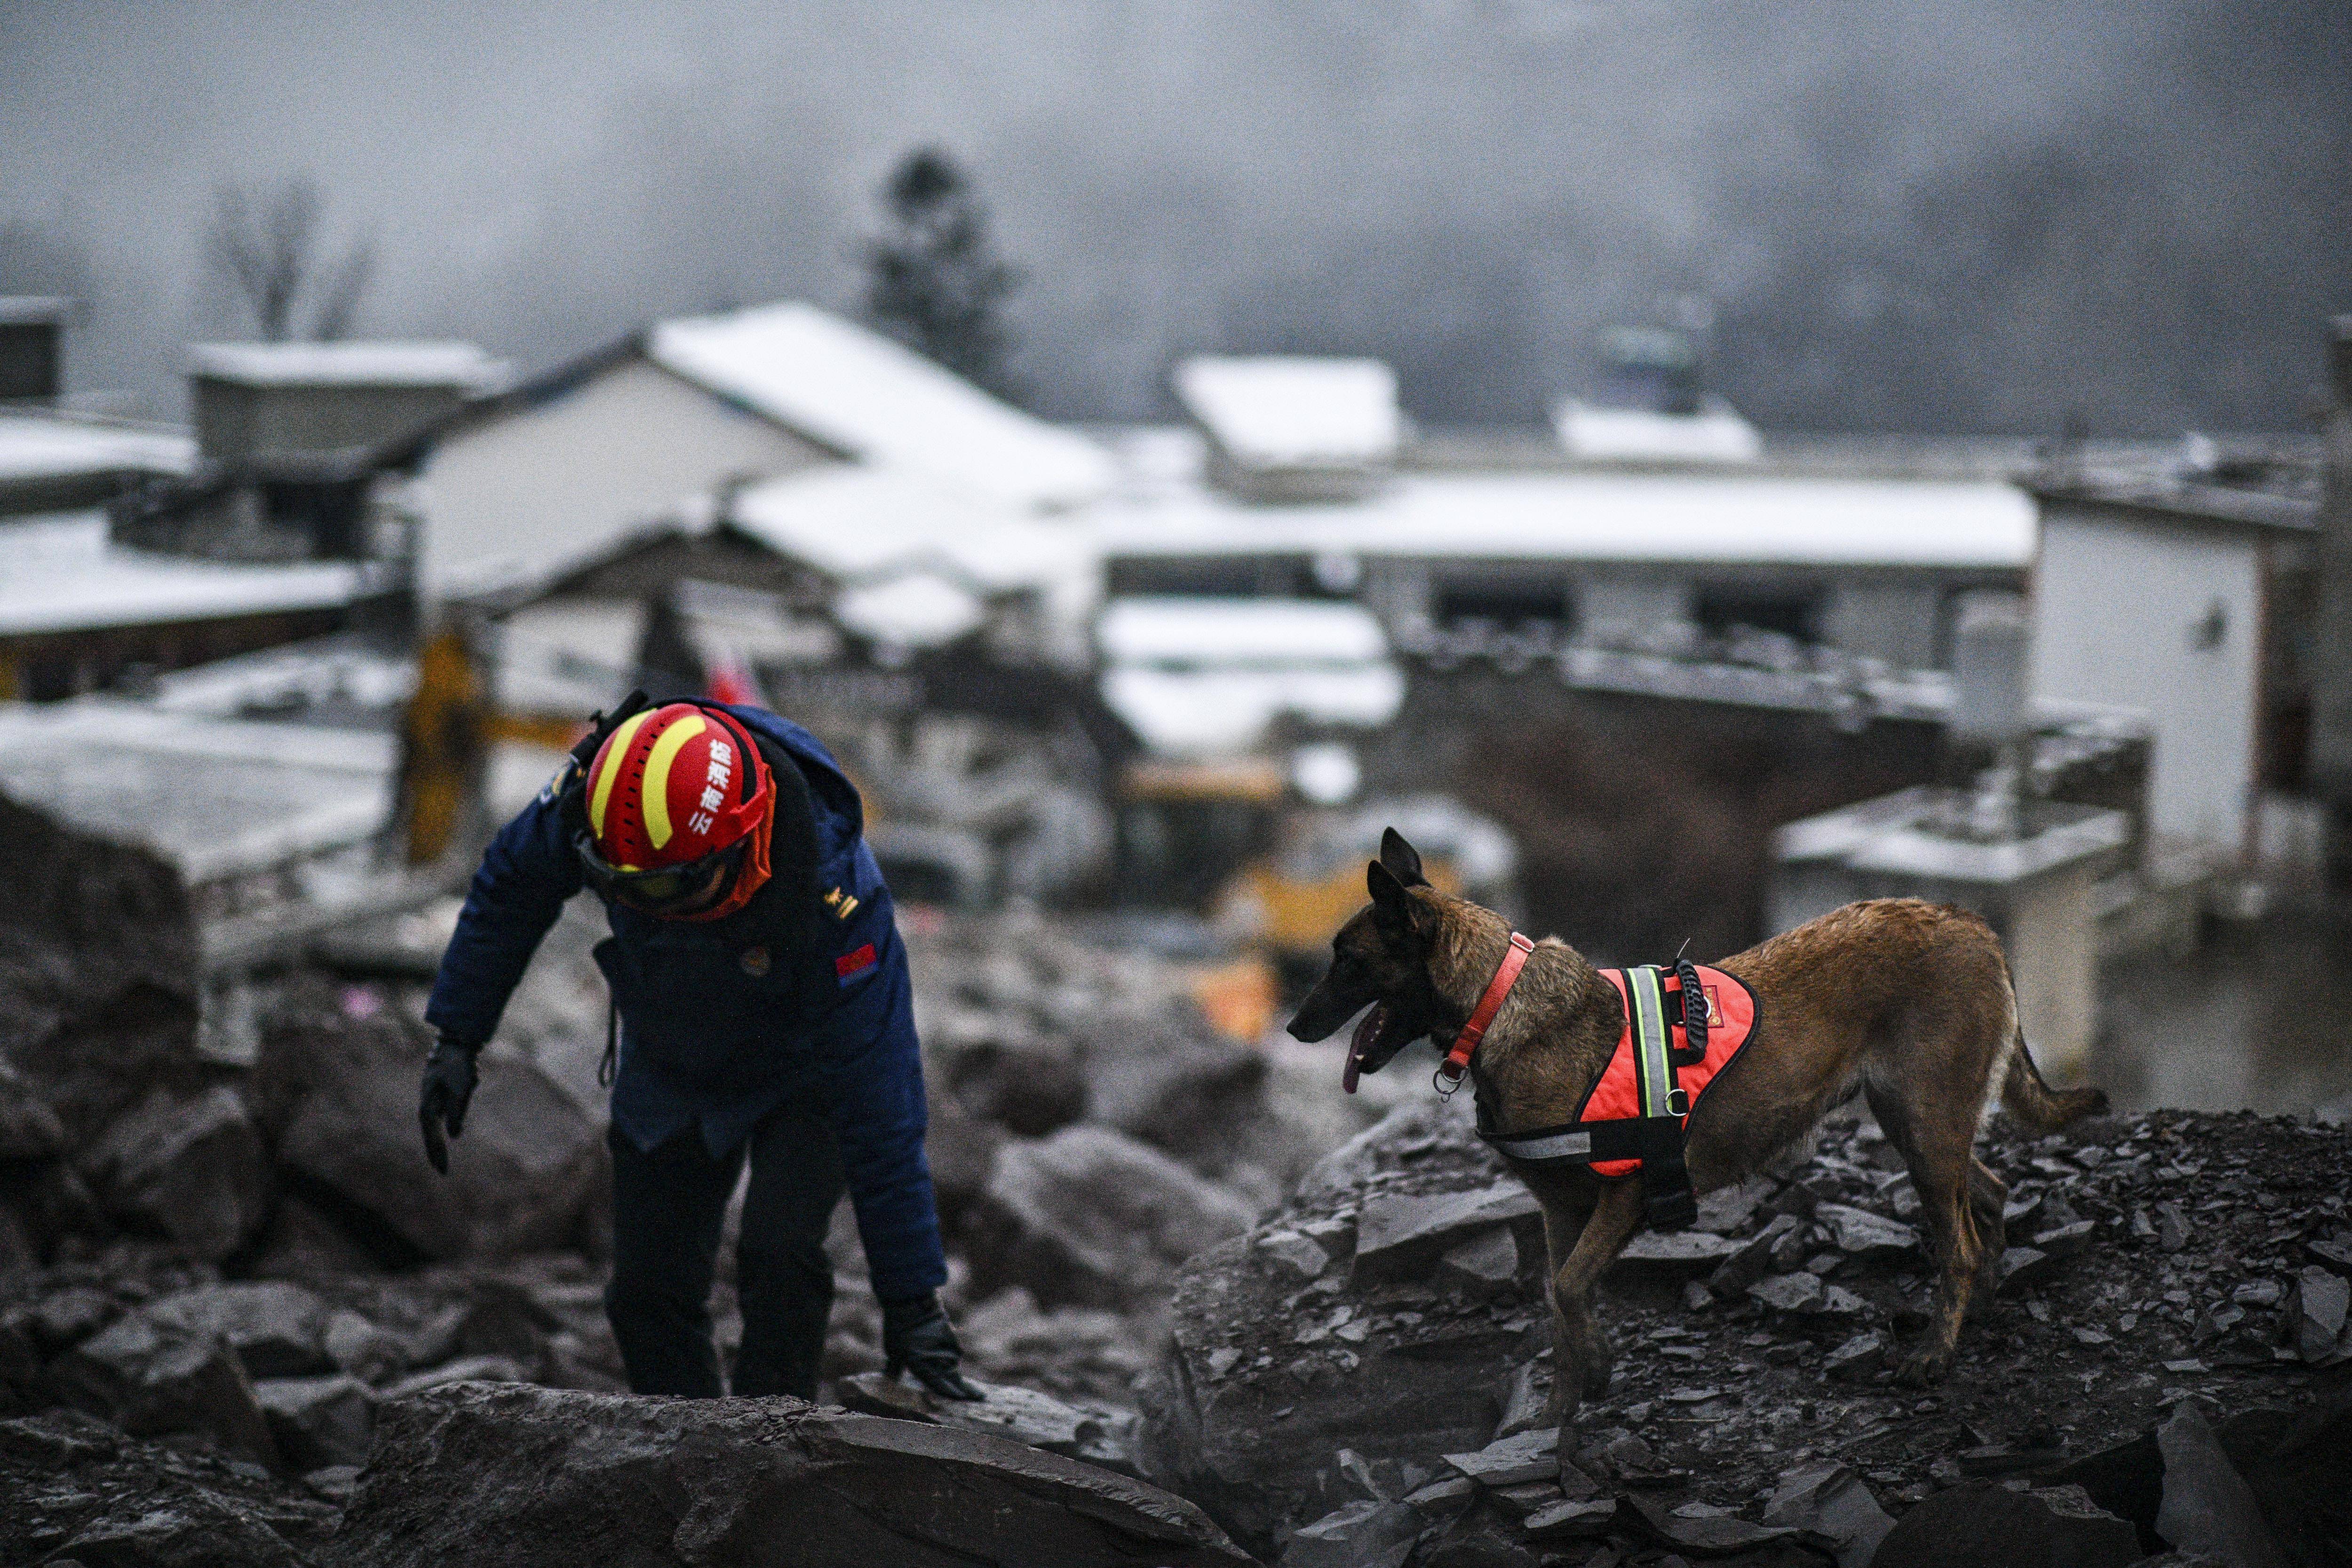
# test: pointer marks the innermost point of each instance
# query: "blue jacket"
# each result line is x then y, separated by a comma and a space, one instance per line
721, 1021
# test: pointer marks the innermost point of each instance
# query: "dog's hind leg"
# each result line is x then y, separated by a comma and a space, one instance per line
1939, 1149
1580, 1358
1987, 1201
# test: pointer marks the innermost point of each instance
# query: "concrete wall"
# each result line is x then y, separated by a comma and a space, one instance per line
530, 491
2119, 607
1625, 603
1897, 618
237, 424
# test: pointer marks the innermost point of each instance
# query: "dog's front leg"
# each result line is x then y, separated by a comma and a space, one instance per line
1567, 1205
1580, 1358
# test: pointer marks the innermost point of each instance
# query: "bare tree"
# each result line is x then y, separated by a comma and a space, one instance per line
271, 254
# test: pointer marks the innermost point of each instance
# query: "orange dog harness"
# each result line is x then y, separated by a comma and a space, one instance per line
1631, 1118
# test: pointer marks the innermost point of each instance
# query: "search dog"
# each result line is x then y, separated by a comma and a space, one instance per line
1908, 1002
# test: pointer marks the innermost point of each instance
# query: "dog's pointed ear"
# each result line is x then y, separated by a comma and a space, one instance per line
1394, 908
1402, 859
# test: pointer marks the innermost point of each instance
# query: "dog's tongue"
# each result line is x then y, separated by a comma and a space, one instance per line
1366, 1032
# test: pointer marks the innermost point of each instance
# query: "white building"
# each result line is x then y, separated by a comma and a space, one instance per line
1292, 428
1208, 678
519, 486
2173, 595
1868, 564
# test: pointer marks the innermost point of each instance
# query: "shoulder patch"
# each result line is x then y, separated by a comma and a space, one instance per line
555, 786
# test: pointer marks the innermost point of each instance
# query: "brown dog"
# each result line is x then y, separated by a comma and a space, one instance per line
1908, 1002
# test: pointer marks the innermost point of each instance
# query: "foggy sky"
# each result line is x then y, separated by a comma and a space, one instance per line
1944, 218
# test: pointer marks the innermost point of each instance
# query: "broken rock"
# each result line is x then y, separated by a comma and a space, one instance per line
187, 1168
1872, 1238
1833, 1502
1486, 1265
1098, 1435
1090, 1218
1397, 1234
1754, 1258
2206, 1505
1369, 1535
77, 1490
1571, 1519
276, 1330
1531, 1455
318, 1421
527, 1476
1294, 1250
2316, 1314
1701, 1527
1683, 1253
151, 1378
1798, 1292
1982, 1523
519, 1179
1856, 1357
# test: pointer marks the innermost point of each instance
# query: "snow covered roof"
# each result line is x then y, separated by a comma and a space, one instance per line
1603, 516
918, 610
875, 400
1225, 713
59, 573
857, 524
381, 364
1283, 412
339, 669
1716, 433
1201, 632
215, 797
1202, 677
32, 447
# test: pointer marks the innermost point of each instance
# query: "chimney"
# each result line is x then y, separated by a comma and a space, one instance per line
1990, 646
32, 348
2331, 640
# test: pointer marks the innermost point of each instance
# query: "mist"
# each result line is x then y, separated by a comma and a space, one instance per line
1986, 220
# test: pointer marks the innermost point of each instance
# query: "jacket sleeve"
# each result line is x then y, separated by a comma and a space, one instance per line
526, 875
879, 1119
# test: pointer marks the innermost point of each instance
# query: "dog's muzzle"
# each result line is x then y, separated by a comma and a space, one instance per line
1364, 1050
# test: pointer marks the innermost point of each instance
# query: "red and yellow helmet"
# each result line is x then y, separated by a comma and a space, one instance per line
678, 802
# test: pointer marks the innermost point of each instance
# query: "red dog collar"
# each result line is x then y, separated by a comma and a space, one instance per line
1506, 974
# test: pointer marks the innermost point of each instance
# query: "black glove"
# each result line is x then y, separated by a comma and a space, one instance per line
917, 1338
448, 1085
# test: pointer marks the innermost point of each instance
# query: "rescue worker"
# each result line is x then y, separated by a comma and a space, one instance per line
763, 1015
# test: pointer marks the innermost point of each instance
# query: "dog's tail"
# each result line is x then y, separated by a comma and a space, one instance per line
2027, 1094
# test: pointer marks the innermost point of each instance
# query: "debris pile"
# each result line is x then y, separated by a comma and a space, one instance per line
223, 1256
1363, 1377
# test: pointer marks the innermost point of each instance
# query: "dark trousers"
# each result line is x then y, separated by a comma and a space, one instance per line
667, 1209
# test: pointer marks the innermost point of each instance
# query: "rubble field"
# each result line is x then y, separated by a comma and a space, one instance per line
1217, 1307
1362, 1378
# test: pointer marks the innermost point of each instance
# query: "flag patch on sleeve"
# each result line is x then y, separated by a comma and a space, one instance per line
851, 965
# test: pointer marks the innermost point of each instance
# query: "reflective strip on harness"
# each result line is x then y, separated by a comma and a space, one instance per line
1653, 1072
1617, 1129
1546, 1146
